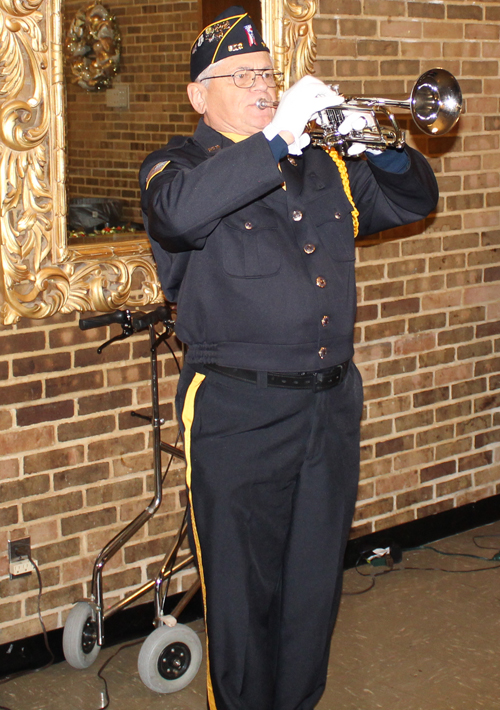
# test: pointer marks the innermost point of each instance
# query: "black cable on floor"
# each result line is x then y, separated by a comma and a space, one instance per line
20, 674
105, 693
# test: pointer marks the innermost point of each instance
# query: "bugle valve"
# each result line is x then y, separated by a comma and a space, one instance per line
435, 104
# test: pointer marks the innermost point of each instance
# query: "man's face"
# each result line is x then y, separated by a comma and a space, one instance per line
227, 108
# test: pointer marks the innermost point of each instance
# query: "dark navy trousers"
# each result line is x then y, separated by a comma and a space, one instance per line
272, 477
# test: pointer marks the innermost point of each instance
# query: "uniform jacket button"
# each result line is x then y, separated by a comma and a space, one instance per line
309, 248
248, 225
321, 282
322, 353
297, 215
324, 321
338, 215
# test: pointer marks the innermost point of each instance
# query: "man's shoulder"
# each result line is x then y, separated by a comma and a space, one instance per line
181, 151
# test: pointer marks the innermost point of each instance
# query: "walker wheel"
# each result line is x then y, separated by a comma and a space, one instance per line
169, 658
80, 636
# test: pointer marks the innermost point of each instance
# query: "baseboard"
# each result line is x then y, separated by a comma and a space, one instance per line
425, 530
30, 653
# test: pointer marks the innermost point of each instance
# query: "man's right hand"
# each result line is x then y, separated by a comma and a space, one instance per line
297, 105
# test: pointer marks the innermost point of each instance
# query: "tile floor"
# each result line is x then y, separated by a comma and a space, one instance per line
418, 640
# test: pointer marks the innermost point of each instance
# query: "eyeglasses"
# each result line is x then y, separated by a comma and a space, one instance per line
246, 78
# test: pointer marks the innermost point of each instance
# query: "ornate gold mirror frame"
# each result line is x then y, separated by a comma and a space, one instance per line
40, 273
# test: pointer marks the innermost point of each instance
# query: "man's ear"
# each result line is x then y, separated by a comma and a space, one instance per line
196, 92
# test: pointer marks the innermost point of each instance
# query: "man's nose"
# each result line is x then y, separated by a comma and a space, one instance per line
260, 83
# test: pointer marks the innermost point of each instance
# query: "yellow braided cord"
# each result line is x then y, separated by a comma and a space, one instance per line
345, 184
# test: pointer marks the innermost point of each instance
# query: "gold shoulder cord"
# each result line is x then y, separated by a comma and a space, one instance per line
345, 184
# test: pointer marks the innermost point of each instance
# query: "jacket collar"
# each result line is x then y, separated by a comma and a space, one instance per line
212, 141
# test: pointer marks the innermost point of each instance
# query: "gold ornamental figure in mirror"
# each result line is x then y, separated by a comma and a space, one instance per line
40, 272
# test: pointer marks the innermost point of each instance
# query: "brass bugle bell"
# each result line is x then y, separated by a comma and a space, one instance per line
435, 104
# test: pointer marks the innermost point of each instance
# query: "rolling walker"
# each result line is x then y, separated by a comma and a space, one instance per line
171, 655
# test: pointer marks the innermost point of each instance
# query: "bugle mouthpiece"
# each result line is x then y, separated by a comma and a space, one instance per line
263, 103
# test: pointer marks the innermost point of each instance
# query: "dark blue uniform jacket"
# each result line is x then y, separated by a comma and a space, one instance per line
264, 277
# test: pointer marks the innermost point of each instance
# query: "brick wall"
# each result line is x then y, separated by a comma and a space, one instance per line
106, 145
428, 326
73, 465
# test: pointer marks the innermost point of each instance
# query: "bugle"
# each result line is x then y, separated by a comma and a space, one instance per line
435, 104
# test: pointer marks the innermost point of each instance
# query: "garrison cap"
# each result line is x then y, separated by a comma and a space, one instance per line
233, 32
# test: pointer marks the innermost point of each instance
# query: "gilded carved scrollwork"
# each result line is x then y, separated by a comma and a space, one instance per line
40, 274
288, 29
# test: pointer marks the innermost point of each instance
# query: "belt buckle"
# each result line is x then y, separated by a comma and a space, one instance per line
324, 382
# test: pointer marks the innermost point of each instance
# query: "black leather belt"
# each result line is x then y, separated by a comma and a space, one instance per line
315, 381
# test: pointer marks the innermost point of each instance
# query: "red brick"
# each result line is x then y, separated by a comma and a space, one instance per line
45, 412
116, 399
26, 440
20, 392
404, 500
474, 350
415, 344
396, 366
426, 9
381, 331
23, 488
81, 382
485, 367
52, 506
435, 435
475, 461
86, 428
117, 446
42, 363
114, 491
427, 322
392, 446
375, 430
385, 407
490, 437
88, 357
428, 397
81, 476
366, 313
453, 411
445, 468
53, 459
88, 521
370, 510
11, 343
9, 516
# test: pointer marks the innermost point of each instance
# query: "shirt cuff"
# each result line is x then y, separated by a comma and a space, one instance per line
279, 148
391, 160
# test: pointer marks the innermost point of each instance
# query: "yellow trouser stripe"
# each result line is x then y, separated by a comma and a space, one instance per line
187, 419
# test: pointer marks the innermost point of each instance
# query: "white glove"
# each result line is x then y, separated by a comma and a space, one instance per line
298, 146
357, 121
298, 104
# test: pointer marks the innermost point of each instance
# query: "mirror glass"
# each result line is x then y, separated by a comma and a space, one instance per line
111, 130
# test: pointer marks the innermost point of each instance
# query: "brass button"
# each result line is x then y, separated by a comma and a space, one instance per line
324, 321
292, 161
338, 215
296, 215
309, 248
248, 225
322, 353
321, 282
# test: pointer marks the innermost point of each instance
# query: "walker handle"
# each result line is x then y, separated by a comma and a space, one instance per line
120, 317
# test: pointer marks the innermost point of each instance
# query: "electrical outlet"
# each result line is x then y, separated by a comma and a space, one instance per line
20, 569
19, 554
